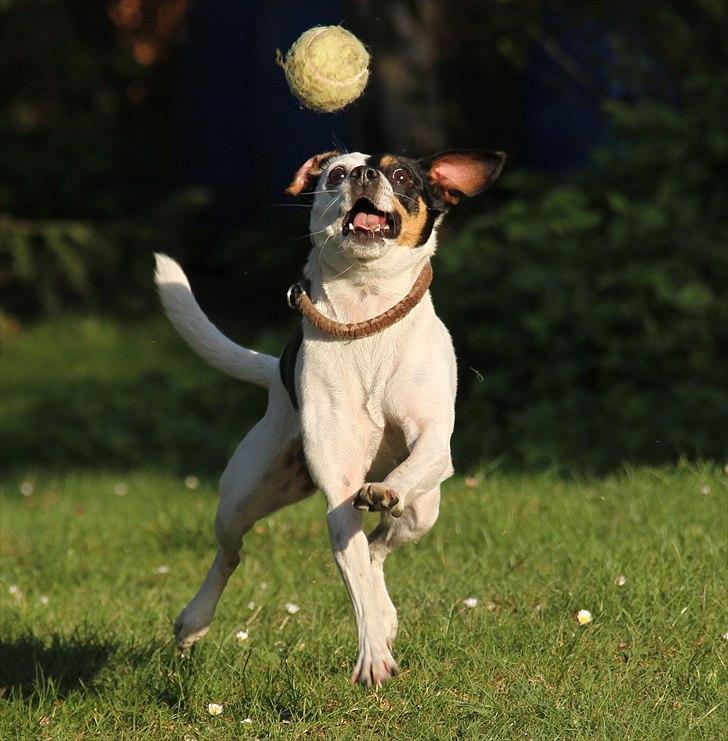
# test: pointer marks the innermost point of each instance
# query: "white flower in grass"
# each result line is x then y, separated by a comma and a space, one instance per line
470, 602
705, 489
121, 489
27, 488
292, 608
725, 636
251, 605
246, 720
620, 580
16, 593
214, 708
163, 569
192, 482
241, 636
584, 617
43, 599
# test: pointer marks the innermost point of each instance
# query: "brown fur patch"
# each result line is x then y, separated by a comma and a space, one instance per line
312, 168
387, 160
412, 224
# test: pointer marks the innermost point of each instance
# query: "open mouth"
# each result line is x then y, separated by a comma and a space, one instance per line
367, 223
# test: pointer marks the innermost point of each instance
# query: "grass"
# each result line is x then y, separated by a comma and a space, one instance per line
86, 611
84, 392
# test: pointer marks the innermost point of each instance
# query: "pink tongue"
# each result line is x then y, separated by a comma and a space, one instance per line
368, 221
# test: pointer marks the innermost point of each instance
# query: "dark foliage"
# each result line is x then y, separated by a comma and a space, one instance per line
590, 314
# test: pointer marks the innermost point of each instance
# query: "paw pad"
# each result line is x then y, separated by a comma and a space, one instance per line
375, 498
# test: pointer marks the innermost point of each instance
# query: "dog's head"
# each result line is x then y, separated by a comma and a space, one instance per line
365, 206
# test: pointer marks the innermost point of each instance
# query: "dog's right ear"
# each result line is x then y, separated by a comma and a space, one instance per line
308, 172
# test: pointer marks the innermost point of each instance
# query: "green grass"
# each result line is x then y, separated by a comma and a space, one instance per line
85, 649
97, 659
81, 392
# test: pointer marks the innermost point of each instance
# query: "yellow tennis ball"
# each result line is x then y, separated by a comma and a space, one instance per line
327, 68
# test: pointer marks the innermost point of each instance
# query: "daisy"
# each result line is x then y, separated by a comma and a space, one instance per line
584, 617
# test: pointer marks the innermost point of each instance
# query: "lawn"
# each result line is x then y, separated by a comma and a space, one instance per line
97, 560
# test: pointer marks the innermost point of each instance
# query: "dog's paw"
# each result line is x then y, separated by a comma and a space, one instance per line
378, 498
373, 669
188, 631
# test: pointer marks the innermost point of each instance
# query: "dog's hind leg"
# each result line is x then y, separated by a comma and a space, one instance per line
418, 517
266, 472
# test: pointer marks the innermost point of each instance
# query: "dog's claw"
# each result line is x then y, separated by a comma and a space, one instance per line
378, 498
370, 673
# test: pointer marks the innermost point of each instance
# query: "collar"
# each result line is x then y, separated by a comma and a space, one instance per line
297, 298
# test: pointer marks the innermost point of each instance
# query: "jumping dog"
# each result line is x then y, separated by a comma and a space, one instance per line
361, 403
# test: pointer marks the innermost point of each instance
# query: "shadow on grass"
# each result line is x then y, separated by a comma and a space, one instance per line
30, 666
65, 664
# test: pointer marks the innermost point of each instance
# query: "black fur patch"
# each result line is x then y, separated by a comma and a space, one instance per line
412, 195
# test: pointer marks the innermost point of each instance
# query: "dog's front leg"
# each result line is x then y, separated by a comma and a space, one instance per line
334, 443
427, 466
375, 663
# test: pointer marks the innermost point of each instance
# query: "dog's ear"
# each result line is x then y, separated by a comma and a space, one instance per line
308, 171
463, 172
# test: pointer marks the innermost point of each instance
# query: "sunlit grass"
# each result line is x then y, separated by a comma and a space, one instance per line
86, 649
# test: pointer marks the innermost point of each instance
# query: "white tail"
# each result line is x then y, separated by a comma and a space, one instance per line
201, 334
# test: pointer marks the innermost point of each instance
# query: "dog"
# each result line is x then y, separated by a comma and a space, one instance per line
361, 404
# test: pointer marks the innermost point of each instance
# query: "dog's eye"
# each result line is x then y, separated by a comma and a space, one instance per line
402, 176
336, 176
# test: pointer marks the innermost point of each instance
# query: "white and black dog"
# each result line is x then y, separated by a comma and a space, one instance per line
365, 415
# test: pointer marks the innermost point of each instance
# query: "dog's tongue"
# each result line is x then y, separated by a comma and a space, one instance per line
363, 220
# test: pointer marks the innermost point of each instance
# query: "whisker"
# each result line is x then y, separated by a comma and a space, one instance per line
348, 267
337, 199
402, 195
338, 144
306, 236
314, 192
311, 234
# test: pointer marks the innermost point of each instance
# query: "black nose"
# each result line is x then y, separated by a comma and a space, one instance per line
363, 174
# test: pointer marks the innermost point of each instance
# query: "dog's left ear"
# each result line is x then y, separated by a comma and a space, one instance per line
308, 172
460, 172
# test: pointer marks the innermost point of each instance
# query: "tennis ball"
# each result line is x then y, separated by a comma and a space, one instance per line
327, 68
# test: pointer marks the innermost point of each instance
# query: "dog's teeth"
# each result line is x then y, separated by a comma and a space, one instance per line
351, 227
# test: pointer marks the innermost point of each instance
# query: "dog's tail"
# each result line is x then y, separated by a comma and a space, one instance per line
201, 334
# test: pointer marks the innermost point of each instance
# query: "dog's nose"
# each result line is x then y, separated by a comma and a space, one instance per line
363, 174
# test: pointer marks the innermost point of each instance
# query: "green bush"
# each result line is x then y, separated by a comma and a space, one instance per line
588, 315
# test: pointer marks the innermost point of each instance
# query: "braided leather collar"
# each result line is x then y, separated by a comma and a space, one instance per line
298, 299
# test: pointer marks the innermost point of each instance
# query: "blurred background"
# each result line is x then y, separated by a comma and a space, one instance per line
585, 291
